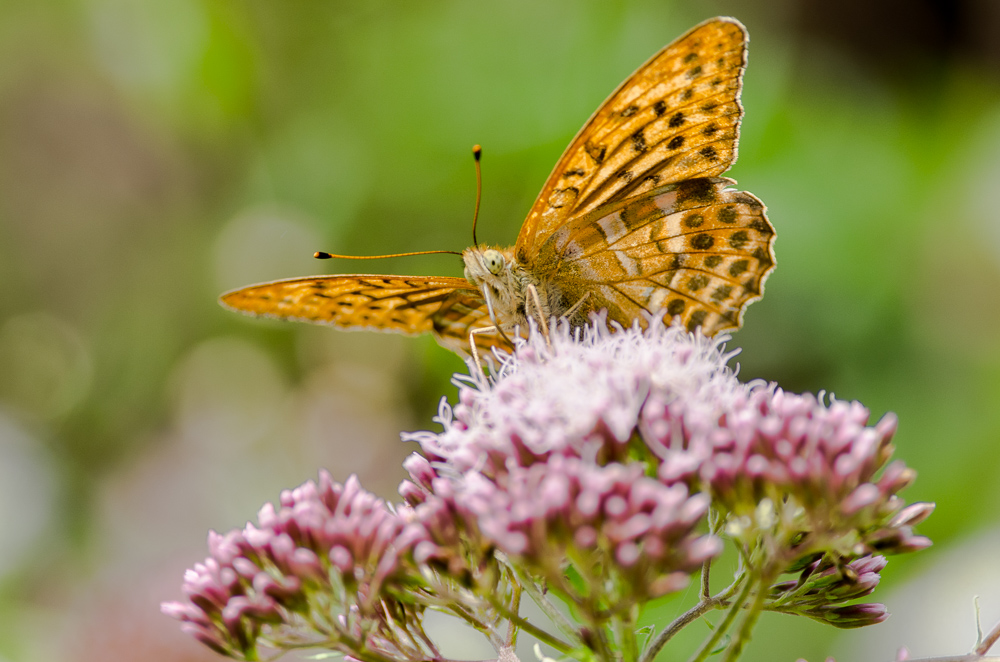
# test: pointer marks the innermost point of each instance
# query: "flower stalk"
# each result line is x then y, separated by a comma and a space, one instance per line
705, 605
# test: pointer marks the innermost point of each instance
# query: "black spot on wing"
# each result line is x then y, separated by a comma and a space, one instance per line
748, 200
638, 141
696, 190
721, 293
693, 220
596, 152
562, 197
701, 242
696, 283
696, 319
738, 267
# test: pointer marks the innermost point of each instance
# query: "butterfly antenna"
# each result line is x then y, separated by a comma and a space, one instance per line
477, 153
322, 255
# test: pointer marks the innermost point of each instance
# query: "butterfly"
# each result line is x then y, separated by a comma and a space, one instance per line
634, 217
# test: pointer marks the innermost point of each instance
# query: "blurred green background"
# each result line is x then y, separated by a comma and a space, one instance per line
154, 154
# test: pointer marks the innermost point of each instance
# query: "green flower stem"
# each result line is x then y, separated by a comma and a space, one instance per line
352, 647
706, 569
366, 655
987, 642
462, 611
431, 646
749, 621
515, 607
599, 620
676, 626
705, 605
727, 622
598, 629
533, 630
622, 628
540, 599
604, 649
626, 636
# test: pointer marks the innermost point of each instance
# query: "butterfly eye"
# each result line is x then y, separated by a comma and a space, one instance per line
493, 260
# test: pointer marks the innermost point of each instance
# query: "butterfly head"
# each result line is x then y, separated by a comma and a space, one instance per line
492, 271
493, 261
486, 266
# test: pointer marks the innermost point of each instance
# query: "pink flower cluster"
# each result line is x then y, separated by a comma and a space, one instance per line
588, 464
612, 517
638, 531
823, 588
324, 567
818, 464
581, 393
810, 478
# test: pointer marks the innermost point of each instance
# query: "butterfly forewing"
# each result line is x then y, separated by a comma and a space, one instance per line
674, 119
447, 307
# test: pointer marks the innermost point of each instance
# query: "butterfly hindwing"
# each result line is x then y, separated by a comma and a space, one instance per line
461, 313
676, 118
697, 249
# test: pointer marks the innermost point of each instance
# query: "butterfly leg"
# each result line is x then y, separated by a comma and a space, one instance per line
533, 297
493, 318
576, 306
472, 342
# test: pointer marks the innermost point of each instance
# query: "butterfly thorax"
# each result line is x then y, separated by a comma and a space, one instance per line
505, 285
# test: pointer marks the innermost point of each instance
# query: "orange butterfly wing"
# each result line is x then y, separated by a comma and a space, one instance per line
634, 216
674, 119
697, 249
447, 307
